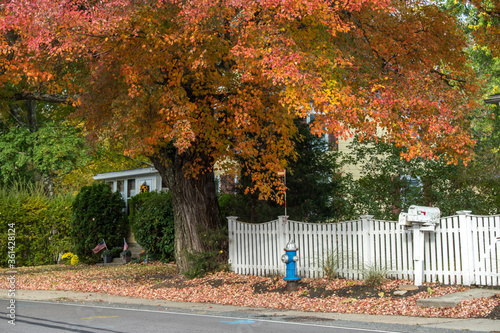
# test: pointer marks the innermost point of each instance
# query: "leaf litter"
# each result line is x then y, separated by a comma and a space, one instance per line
160, 281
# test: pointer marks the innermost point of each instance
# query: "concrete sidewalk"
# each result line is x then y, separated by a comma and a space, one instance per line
481, 325
452, 300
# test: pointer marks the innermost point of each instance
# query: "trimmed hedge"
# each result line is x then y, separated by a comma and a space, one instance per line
98, 214
152, 221
41, 225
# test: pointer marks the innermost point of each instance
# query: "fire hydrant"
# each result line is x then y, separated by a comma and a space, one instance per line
290, 258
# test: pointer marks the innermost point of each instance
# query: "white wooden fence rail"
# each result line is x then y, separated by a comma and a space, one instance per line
464, 248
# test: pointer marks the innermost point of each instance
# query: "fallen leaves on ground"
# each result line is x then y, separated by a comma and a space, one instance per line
159, 281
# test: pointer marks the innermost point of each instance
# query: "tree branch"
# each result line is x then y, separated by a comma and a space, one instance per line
15, 112
35, 96
448, 78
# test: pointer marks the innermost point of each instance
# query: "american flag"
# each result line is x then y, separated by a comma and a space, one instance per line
99, 246
125, 245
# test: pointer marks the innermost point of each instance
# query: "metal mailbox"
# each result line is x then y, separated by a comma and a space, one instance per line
421, 216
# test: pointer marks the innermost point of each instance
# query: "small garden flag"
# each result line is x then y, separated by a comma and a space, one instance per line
125, 245
99, 246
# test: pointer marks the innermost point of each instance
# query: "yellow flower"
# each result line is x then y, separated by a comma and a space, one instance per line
75, 260
67, 255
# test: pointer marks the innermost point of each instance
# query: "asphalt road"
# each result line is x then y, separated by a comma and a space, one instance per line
41, 317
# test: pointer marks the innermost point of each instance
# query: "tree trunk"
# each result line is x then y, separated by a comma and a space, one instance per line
48, 186
194, 200
31, 116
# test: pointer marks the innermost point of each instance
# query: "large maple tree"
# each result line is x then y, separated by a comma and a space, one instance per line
192, 83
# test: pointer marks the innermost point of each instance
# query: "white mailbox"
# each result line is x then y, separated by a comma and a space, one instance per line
426, 217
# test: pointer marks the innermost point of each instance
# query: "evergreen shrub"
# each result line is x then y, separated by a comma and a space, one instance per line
152, 221
116, 251
98, 214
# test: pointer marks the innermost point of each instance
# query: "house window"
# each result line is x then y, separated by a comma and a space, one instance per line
130, 188
120, 187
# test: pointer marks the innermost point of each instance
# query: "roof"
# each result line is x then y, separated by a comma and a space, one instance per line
126, 173
494, 99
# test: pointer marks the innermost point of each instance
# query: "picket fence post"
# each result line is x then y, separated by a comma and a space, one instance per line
283, 231
231, 223
282, 236
418, 255
466, 248
368, 239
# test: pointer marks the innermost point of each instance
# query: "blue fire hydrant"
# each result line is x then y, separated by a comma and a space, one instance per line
290, 259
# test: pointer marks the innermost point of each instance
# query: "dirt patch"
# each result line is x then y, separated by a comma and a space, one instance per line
495, 313
171, 281
267, 287
363, 292
319, 291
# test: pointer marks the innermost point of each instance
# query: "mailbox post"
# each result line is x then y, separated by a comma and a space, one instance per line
420, 219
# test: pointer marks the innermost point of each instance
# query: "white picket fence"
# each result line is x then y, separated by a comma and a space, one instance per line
464, 248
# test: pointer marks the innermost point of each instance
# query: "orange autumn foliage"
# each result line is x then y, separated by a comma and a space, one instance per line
226, 78
487, 28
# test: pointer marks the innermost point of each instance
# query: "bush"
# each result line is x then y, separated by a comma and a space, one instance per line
97, 214
333, 262
374, 276
41, 225
152, 221
213, 259
115, 252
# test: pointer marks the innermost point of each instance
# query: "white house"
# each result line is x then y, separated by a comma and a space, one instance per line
129, 182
